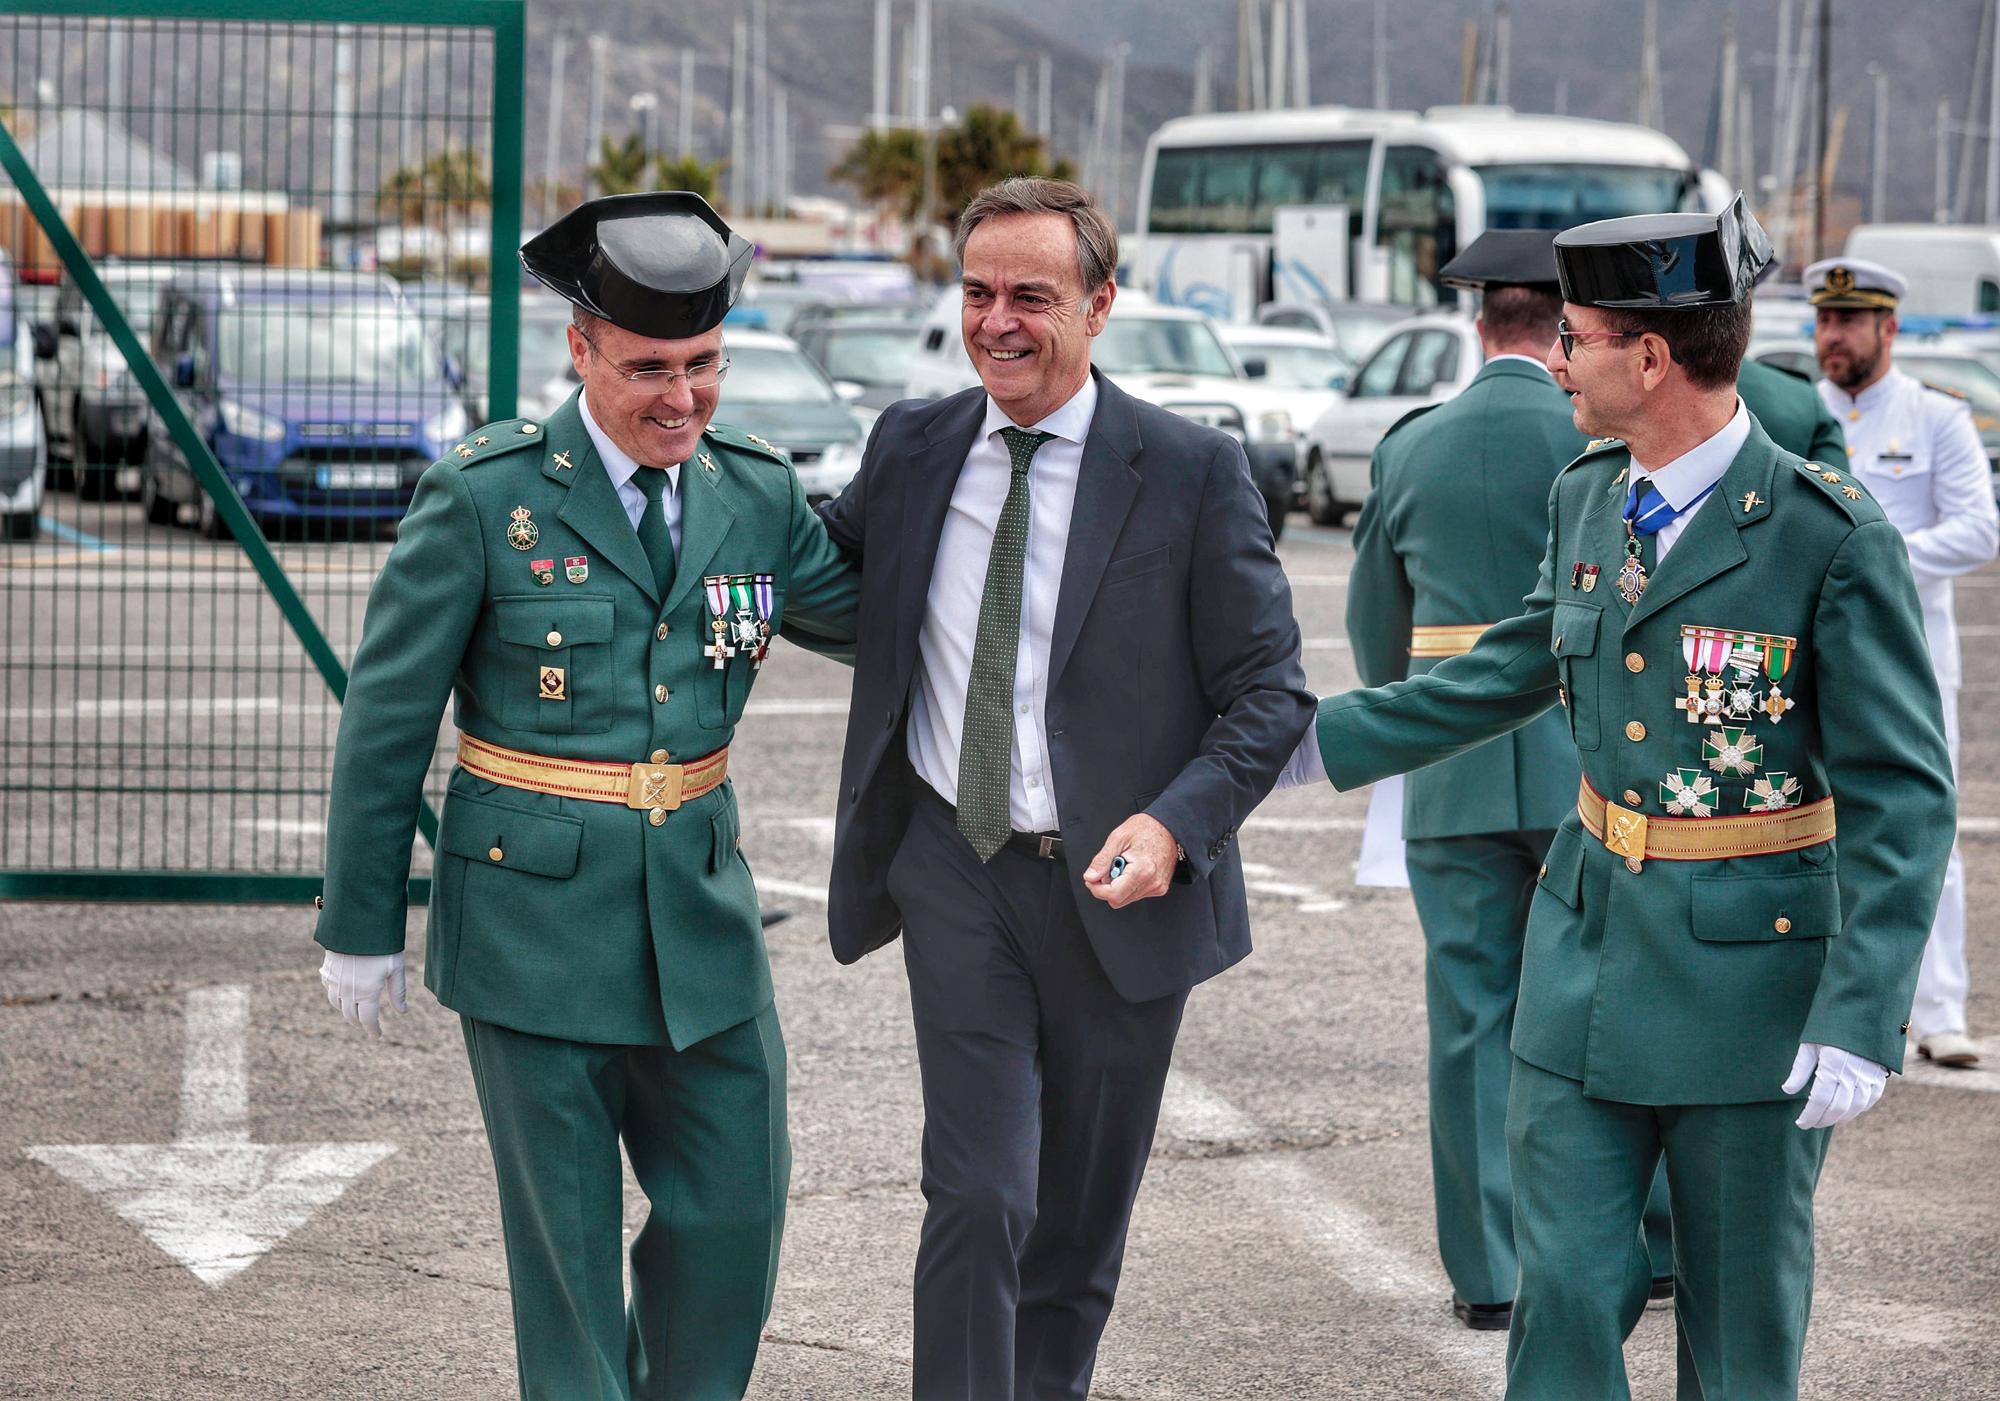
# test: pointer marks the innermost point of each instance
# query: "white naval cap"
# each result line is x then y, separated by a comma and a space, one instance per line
1853, 282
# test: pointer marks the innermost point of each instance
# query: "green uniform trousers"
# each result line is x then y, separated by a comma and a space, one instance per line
705, 1131
1472, 896
1741, 1177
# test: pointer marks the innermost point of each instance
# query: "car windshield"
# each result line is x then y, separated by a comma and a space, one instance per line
324, 342
1146, 345
768, 374
137, 298
874, 357
1359, 329
1297, 366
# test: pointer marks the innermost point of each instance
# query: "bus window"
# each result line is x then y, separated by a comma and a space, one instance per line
1176, 193
1341, 177
1417, 224
1562, 196
1226, 176
1989, 295
1284, 176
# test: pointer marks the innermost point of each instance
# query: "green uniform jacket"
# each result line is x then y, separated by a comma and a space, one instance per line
1451, 534
551, 915
1791, 413
1693, 982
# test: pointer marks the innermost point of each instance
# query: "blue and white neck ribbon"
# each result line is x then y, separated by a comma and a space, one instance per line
1648, 512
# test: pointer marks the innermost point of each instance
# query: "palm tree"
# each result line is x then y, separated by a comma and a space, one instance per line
886, 167
620, 168
988, 146
689, 172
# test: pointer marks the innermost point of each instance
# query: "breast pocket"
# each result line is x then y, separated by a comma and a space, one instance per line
720, 693
1904, 490
1573, 638
557, 654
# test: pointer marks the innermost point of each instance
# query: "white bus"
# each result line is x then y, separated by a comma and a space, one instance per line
1221, 228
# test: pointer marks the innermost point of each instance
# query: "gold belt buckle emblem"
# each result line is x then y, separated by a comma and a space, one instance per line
1625, 835
654, 786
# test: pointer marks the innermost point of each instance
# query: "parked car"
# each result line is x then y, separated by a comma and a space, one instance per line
779, 394
772, 306
24, 447
867, 360
1355, 328
320, 393
1167, 355
92, 404
464, 328
1424, 360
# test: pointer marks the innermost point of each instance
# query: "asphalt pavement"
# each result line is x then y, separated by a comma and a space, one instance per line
345, 1234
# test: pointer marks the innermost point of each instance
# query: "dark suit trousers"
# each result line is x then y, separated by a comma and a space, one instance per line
1041, 1093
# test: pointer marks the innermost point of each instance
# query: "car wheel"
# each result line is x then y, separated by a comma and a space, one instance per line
1320, 502
1277, 506
209, 522
159, 510
59, 477
94, 463
23, 525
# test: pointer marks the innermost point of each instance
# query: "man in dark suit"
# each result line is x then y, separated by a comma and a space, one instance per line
1078, 672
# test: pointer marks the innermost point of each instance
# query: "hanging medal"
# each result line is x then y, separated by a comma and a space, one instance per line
1631, 574
715, 588
1774, 792
1732, 752
1688, 793
761, 594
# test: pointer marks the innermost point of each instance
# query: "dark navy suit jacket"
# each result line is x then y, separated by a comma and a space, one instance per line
1175, 687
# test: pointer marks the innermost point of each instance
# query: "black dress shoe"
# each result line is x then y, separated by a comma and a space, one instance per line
1486, 1318
1662, 1290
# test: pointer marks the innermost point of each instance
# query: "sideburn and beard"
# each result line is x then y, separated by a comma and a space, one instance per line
1860, 366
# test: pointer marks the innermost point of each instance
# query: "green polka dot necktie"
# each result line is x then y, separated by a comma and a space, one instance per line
654, 537
986, 745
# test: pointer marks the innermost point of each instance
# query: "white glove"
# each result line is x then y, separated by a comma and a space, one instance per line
1843, 1084
1305, 767
354, 982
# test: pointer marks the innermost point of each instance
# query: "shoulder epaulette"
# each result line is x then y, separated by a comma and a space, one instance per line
736, 438
1595, 448
1843, 489
1958, 394
495, 440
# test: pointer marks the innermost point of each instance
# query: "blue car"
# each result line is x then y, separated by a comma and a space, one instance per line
320, 393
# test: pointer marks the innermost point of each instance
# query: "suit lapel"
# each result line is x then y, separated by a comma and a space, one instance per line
1712, 541
1106, 486
705, 520
592, 508
928, 482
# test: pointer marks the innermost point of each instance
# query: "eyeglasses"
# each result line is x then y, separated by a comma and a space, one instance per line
703, 376
1569, 338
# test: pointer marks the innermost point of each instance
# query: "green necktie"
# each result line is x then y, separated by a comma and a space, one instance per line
986, 746
654, 537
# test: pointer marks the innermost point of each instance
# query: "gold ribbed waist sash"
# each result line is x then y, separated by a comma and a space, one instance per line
639, 786
1637, 837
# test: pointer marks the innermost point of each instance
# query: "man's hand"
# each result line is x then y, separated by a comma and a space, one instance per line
1150, 854
354, 981
1843, 1084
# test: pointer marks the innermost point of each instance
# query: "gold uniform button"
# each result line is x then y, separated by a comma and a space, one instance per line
658, 817
529, 428
1631, 798
660, 694
555, 639
1544, 875
660, 633
1634, 731
496, 854
659, 756
1783, 925
1634, 662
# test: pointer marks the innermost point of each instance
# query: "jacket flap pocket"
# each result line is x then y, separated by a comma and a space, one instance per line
1562, 871
1132, 566
1754, 907
1574, 632
497, 834
728, 832
552, 622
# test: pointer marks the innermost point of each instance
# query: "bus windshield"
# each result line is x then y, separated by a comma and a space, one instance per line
1562, 196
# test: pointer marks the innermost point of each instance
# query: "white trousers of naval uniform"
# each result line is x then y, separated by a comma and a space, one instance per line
1942, 981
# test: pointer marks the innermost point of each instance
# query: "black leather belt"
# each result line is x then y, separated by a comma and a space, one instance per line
1046, 845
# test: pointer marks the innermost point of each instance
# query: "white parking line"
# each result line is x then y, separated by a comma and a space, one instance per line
1304, 824
1411, 1293
798, 890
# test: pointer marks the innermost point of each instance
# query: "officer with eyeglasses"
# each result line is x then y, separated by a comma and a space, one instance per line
597, 591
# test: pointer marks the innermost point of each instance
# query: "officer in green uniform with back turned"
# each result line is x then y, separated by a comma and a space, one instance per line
1749, 658
597, 592
1449, 543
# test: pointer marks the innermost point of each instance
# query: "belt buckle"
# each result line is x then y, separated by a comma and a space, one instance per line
1625, 835
654, 786
1047, 847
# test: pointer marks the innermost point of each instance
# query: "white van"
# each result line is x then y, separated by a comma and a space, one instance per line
1953, 269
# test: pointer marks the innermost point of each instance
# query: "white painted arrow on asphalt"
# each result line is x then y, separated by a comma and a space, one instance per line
212, 1199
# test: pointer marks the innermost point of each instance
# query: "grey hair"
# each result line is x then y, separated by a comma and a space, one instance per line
1096, 235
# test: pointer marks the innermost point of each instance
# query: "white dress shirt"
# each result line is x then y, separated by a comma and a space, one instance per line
620, 468
1920, 457
958, 583
1680, 481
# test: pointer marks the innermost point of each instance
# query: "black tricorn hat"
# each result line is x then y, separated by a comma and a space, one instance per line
659, 264
1663, 261
1505, 258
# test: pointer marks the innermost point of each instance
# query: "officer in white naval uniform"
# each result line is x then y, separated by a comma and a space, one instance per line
1916, 450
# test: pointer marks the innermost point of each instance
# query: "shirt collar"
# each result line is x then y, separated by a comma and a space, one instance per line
1875, 396
1541, 365
617, 464
1071, 422
1702, 465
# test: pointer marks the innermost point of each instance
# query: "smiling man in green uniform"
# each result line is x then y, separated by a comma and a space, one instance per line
1735, 634
597, 592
